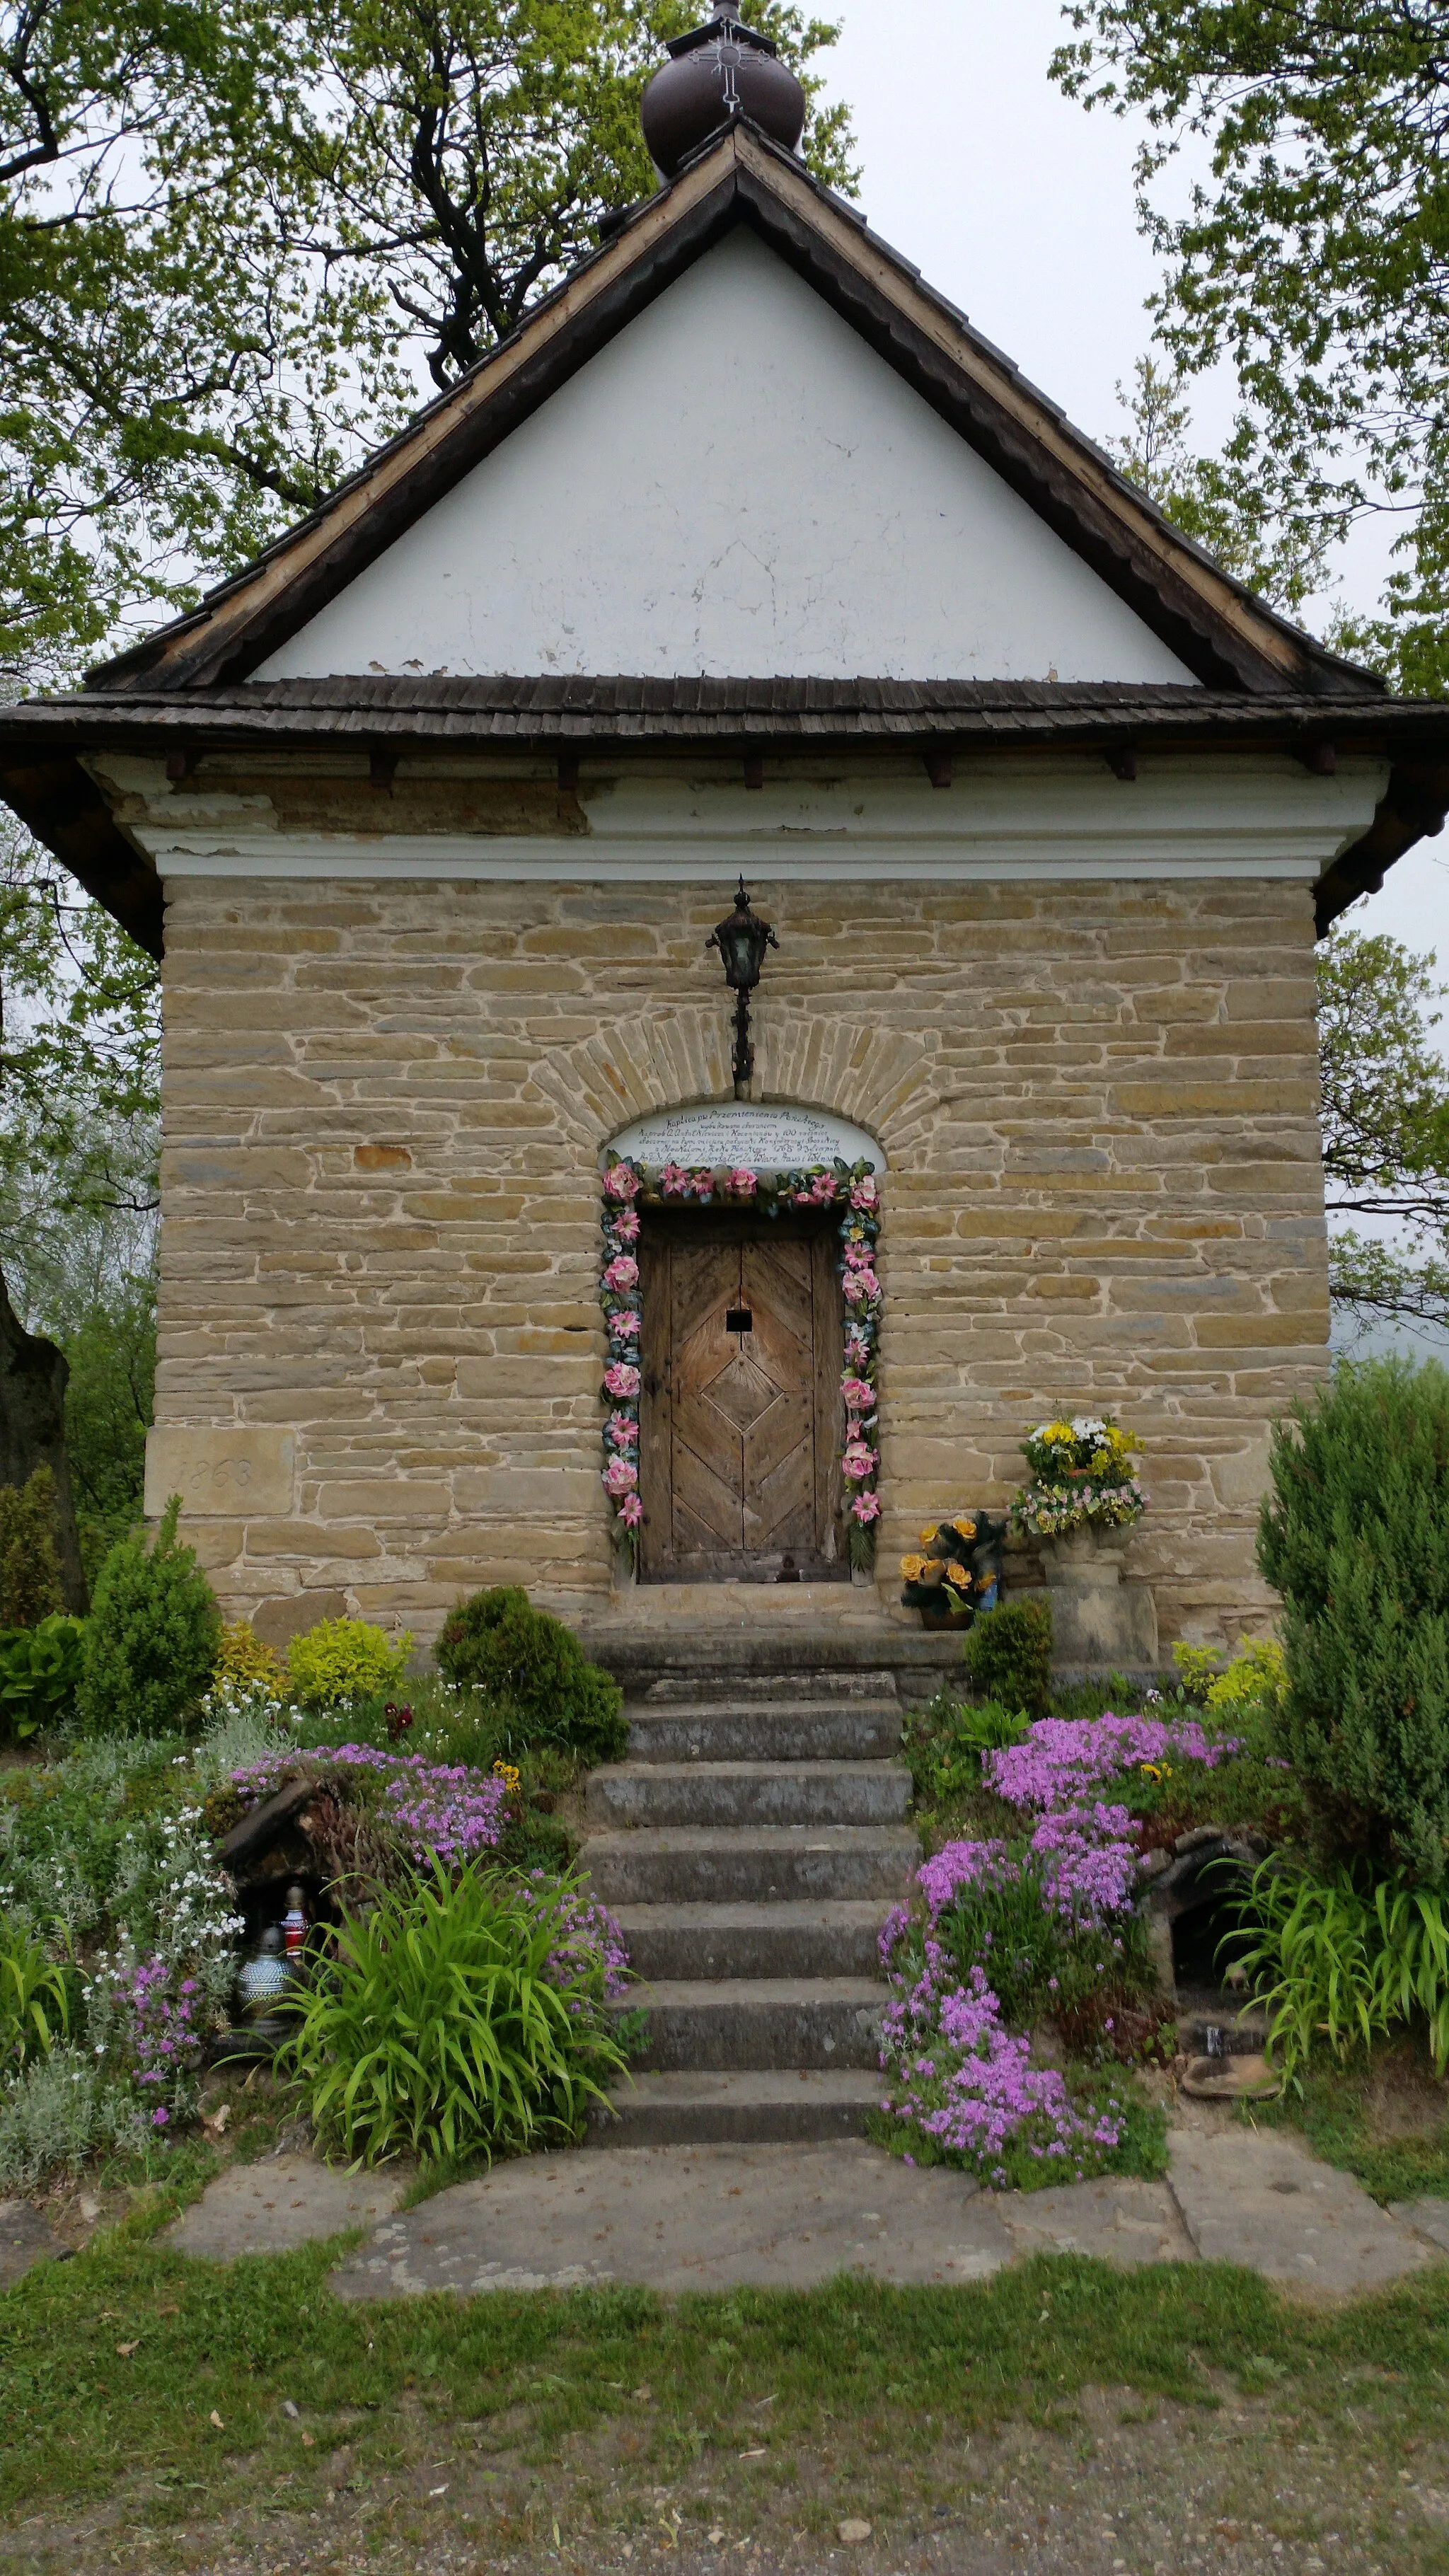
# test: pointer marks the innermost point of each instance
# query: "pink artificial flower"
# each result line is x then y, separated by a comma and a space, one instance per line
623, 1430
822, 1189
858, 1461
620, 1183
622, 1272
744, 1183
866, 1508
625, 1325
860, 1287
857, 1347
621, 1378
863, 1193
620, 1477
859, 1396
675, 1181
626, 1225
631, 1511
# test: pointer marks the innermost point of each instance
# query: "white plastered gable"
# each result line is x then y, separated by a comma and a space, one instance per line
737, 484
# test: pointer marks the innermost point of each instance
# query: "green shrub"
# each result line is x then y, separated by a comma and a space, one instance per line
1341, 1956
40, 1669
533, 1666
152, 1637
30, 1588
57, 2114
1008, 1655
944, 1746
345, 1659
435, 2029
1355, 1536
244, 1663
1254, 1680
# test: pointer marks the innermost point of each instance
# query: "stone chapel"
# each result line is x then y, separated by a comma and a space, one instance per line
745, 563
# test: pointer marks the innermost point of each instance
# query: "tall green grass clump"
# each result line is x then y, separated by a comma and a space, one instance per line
1341, 1957
152, 1639
437, 2031
1354, 1534
533, 1668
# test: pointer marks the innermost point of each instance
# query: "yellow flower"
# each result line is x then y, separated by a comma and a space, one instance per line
913, 1567
507, 1772
958, 1575
1060, 1432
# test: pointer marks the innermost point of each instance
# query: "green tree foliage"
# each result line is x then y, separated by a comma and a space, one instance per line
1313, 254
29, 1557
1354, 1535
534, 1667
1282, 557
230, 232
152, 1637
1385, 1125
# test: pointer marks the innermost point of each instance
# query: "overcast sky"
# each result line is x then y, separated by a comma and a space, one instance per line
1019, 206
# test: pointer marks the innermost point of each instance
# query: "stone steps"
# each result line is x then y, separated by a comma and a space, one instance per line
743, 1864
841, 1730
737, 2107
760, 2022
834, 1939
750, 1847
748, 1793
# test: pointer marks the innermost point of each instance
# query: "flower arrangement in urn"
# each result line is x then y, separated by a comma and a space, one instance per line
1083, 1476
958, 1571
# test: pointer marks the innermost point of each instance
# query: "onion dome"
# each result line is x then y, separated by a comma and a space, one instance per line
717, 71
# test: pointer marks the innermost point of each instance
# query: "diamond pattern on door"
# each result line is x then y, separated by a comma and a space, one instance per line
739, 1435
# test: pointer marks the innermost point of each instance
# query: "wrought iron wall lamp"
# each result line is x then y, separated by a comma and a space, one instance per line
742, 940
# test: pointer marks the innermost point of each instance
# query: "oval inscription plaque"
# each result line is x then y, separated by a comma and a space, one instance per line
738, 1134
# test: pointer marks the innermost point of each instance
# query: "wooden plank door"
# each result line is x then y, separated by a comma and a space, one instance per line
740, 1437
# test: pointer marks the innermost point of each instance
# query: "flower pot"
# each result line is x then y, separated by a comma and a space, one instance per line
946, 1618
1098, 1621
1082, 1558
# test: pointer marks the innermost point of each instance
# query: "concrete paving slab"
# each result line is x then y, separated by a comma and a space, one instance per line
1251, 2196
687, 2218
283, 2202
25, 2240
1429, 2217
1117, 2218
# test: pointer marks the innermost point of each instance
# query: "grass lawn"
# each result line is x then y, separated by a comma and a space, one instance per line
1063, 2415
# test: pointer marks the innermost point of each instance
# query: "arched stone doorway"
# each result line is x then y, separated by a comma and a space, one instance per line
741, 1415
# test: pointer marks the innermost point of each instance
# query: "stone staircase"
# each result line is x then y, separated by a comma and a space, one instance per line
751, 1847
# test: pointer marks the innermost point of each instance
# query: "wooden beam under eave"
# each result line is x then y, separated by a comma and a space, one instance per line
62, 805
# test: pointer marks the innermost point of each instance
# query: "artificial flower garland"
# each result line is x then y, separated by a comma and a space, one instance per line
849, 1187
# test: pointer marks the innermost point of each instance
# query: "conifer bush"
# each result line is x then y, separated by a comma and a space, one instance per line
1008, 1655
1354, 1534
535, 1670
152, 1638
30, 1587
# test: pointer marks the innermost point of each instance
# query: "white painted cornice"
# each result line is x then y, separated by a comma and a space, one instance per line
1194, 816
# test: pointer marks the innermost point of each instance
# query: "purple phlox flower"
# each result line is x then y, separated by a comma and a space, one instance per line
1062, 1758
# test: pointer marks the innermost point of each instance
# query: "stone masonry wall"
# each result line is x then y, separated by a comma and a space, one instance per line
380, 1344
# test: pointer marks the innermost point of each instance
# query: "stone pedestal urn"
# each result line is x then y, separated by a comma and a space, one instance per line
1096, 1617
